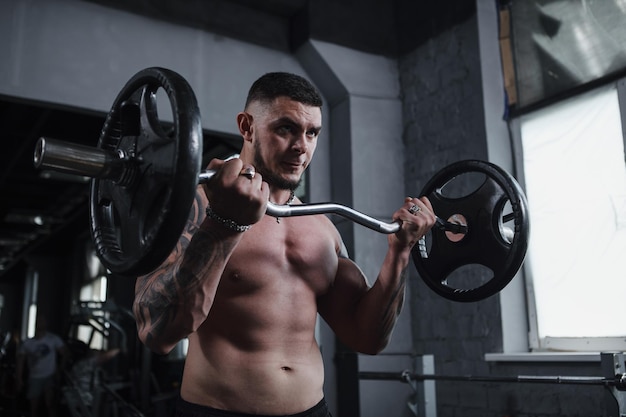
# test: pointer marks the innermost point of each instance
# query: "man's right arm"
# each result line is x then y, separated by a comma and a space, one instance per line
174, 300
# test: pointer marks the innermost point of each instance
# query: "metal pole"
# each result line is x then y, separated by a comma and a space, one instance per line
571, 380
614, 365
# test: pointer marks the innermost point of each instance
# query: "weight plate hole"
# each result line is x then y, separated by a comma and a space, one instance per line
506, 222
469, 277
164, 113
462, 185
456, 219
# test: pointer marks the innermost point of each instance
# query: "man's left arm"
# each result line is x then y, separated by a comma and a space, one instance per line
361, 316
364, 317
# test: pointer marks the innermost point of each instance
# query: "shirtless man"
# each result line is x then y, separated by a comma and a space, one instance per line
248, 298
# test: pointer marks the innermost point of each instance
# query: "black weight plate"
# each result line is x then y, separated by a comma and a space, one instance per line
484, 243
137, 220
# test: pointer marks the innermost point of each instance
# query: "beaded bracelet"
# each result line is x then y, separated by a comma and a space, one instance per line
229, 224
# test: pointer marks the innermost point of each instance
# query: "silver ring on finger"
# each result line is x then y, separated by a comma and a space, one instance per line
248, 172
414, 209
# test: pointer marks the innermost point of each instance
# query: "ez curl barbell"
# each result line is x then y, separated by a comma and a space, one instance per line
144, 178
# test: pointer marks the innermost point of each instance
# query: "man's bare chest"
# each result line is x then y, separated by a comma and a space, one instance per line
296, 250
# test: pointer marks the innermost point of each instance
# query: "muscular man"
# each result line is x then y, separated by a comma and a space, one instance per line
248, 297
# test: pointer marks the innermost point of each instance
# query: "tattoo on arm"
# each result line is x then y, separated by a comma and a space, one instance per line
156, 292
160, 293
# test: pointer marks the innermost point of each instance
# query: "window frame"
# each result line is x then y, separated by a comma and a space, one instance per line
559, 344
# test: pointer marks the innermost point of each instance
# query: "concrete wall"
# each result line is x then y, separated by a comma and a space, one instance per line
81, 54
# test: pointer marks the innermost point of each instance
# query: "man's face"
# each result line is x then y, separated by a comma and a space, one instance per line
284, 138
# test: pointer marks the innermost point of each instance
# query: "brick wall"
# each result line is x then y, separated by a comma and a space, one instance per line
443, 123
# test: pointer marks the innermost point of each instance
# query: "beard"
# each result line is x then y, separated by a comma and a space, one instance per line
270, 177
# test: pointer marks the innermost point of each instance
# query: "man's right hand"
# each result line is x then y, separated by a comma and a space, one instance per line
236, 191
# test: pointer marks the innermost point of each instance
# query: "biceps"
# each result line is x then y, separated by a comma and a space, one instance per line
340, 302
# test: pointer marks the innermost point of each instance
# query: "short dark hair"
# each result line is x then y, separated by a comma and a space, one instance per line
283, 84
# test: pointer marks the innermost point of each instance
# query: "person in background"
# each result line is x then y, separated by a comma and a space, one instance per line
37, 359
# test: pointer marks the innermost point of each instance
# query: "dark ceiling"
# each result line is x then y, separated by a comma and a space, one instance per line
44, 212
385, 27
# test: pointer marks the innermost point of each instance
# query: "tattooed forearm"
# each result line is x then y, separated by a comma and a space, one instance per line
205, 250
174, 290
174, 299
157, 300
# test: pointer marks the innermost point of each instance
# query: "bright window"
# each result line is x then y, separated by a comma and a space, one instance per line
575, 178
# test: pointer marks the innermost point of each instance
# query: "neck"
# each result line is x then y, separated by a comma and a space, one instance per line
283, 201
282, 197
